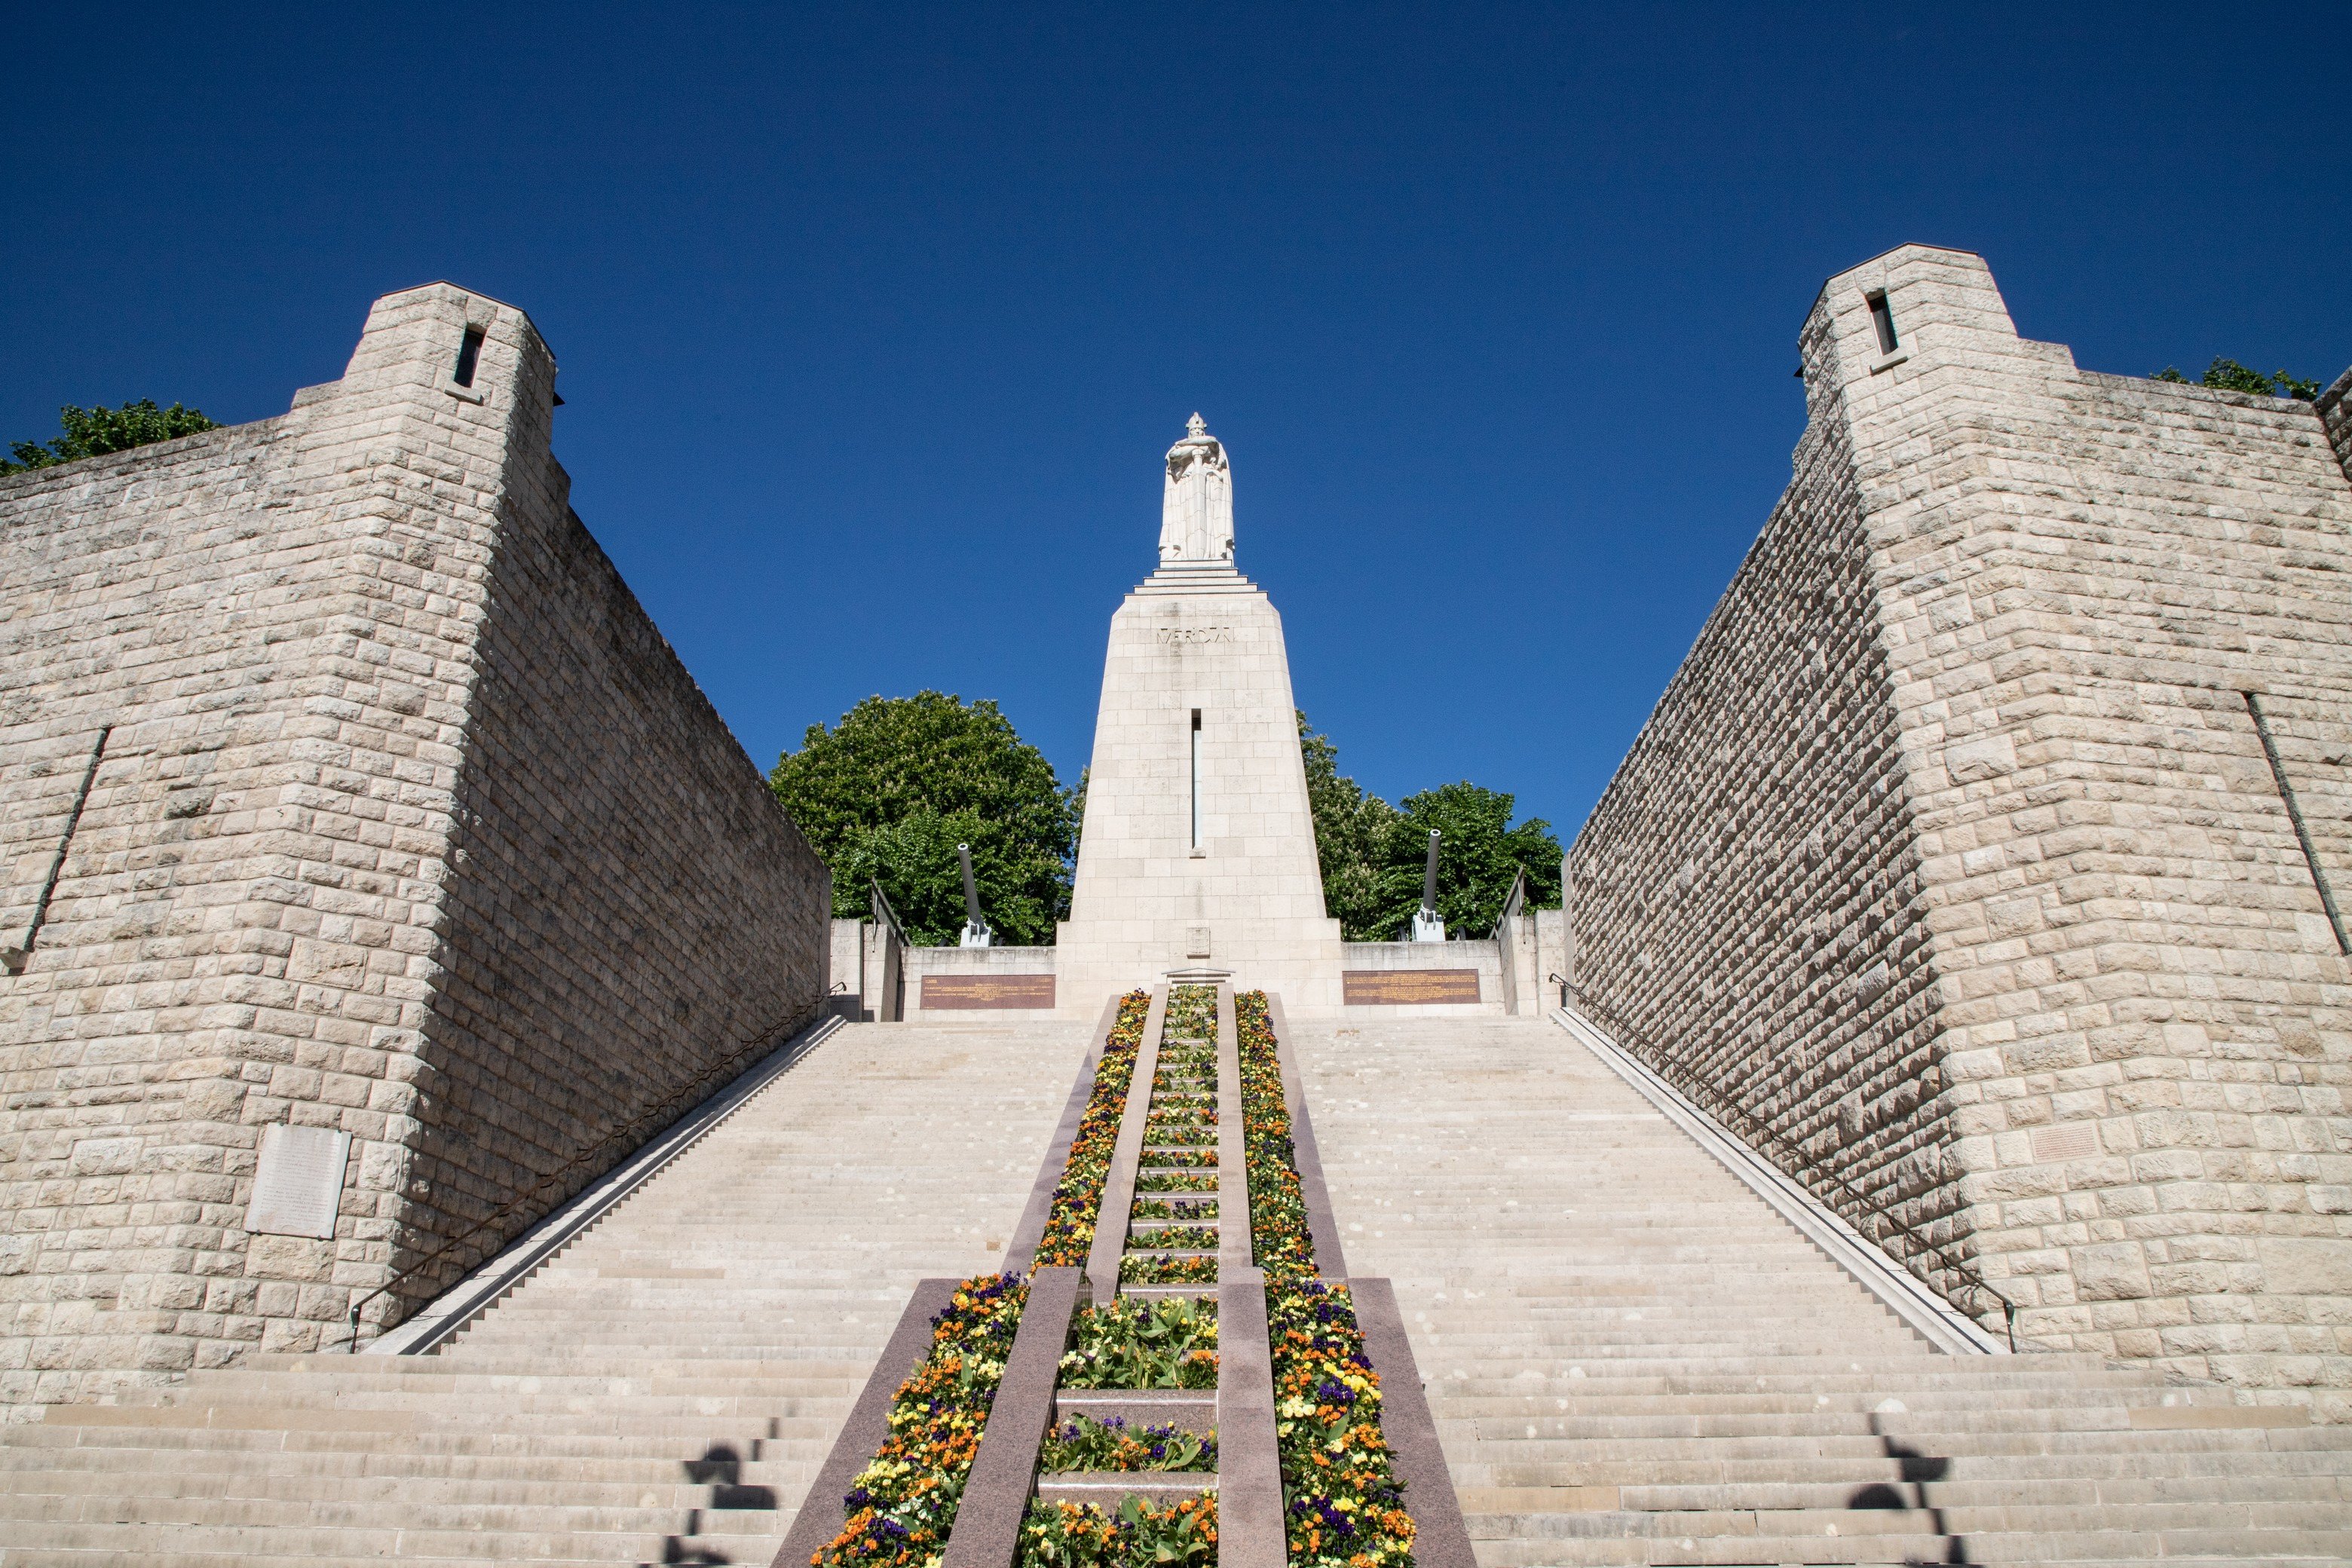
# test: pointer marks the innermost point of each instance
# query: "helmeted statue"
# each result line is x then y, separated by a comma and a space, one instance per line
1196, 508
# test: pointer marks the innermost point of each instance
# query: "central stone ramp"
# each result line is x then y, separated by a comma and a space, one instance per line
1631, 1358
664, 1390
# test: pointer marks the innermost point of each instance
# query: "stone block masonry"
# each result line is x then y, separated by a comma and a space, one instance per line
407, 822
1951, 861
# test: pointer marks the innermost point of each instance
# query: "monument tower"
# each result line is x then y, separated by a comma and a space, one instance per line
1198, 848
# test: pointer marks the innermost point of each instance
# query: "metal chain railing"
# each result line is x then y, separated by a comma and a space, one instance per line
634, 1133
1811, 1174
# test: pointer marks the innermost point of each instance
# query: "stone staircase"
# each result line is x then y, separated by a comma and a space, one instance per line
1631, 1359
662, 1391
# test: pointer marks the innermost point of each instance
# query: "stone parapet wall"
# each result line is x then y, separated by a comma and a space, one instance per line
407, 824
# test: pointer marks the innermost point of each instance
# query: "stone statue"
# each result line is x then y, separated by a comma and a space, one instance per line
1196, 508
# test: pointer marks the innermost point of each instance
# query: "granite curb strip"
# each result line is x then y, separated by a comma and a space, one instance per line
1322, 1227
987, 1531
1023, 1253
450, 1313
821, 1514
1119, 1183
1236, 1253
1249, 1461
1442, 1536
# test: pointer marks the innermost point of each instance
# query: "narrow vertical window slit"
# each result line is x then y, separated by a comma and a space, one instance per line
1884, 319
469, 354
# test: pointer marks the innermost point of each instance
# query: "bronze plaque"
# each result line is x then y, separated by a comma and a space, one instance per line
968, 992
1407, 988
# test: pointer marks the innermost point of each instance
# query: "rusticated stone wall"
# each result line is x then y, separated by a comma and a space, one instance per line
406, 823
2140, 1015
1747, 900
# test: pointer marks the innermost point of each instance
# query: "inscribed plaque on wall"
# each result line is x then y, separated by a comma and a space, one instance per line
299, 1184
1407, 988
969, 991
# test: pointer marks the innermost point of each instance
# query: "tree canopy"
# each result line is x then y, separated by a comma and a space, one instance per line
888, 792
1373, 853
91, 432
2229, 375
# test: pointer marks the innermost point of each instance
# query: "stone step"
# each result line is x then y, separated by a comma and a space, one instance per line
1106, 1489
1194, 1410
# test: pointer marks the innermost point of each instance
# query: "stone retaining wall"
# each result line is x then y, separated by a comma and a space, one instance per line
407, 824
2115, 1016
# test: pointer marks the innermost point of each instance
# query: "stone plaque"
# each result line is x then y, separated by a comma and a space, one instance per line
1196, 942
970, 992
1407, 988
299, 1185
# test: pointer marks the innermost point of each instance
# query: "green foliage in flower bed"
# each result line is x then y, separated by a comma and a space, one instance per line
1176, 1182
1176, 1208
902, 1505
1278, 1234
1132, 1343
1168, 1111
1077, 1198
1192, 1159
1160, 1268
1344, 1506
1192, 1012
1183, 1237
1080, 1535
1083, 1443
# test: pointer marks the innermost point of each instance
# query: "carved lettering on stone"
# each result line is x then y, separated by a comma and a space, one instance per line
299, 1184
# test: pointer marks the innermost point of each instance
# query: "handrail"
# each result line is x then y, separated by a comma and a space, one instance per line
883, 915
1806, 1169
1513, 902
635, 1131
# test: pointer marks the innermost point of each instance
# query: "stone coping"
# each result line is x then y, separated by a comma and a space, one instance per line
1442, 1536
1322, 1228
1192, 1409
1119, 1183
821, 1517
987, 1531
1250, 1532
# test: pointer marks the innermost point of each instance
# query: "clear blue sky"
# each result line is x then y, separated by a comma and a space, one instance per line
874, 323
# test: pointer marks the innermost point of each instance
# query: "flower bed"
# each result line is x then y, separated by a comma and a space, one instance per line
1162, 1268
1175, 1208
1343, 1506
1182, 1238
903, 1504
1083, 1443
1278, 1234
1132, 1343
1080, 1535
1191, 1159
1176, 1182
1078, 1197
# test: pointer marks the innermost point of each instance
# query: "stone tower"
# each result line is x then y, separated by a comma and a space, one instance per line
1198, 849
348, 803
1983, 863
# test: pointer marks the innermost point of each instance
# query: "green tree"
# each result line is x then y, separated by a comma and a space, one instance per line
893, 789
91, 432
2229, 375
1478, 854
1350, 832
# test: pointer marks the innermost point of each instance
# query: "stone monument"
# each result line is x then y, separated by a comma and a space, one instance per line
1198, 848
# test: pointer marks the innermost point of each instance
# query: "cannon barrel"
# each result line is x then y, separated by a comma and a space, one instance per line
970, 889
